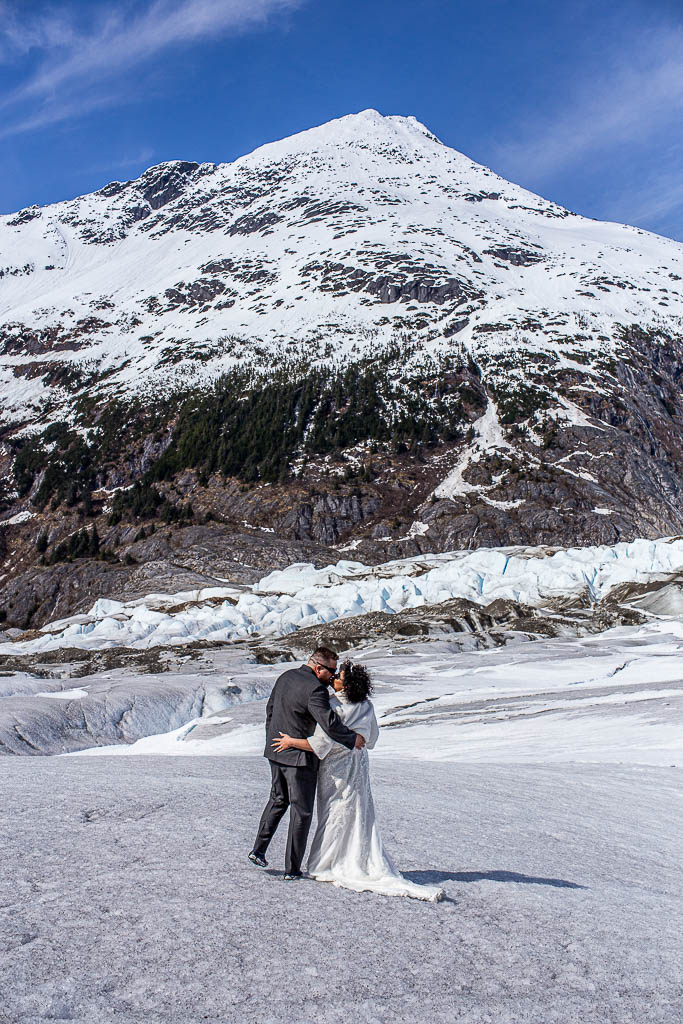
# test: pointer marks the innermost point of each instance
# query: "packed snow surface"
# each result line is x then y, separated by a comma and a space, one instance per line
302, 595
126, 895
75, 693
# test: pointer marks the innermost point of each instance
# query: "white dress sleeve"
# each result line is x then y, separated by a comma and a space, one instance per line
359, 717
321, 743
372, 733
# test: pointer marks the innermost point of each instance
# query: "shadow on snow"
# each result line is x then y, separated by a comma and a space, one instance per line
434, 877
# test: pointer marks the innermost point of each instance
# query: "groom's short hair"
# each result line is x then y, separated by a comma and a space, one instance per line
323, 655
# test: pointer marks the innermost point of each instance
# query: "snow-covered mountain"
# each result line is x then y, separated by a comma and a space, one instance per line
355, 338
328, 245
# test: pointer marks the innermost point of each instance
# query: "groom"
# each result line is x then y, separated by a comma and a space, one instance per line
300, 698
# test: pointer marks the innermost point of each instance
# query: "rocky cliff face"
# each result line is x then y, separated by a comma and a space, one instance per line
354, 340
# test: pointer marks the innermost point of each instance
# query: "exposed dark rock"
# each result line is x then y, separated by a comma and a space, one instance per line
24, 216
454, 328
517, 257
17, 339
389, 290
114, 188
163, 184
478, 197
195, 294
251, 223
327, 517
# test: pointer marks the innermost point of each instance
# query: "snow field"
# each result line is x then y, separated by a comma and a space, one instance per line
612, 699
563, 887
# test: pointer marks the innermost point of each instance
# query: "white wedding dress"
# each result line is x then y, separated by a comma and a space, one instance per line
347, 849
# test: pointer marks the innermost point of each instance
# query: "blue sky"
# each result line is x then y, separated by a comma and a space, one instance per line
579, 100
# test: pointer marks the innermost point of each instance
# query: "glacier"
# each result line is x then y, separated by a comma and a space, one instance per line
302, 596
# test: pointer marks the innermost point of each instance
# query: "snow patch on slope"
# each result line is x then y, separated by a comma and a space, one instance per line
488, 437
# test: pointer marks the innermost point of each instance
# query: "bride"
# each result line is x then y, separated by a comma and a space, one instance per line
347, 849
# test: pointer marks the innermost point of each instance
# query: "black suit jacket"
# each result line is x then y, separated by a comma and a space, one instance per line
298, 702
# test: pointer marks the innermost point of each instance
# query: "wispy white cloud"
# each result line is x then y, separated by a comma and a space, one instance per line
630, 98
143, 158
652, 198
62, 109
81, 63
637, 92
19, 34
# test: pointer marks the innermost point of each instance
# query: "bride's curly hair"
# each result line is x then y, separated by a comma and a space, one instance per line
357, 682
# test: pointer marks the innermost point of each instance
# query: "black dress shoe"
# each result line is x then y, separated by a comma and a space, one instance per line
292, 878
258, 860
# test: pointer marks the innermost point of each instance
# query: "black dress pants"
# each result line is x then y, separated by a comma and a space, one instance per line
292, 786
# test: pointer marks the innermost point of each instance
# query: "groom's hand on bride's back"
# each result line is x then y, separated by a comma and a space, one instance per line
360, 741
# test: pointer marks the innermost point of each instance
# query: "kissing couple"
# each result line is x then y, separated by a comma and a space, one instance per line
315, 742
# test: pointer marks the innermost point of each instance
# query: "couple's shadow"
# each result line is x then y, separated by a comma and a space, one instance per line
434, 877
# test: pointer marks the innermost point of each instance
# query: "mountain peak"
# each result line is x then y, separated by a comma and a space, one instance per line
365, 129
